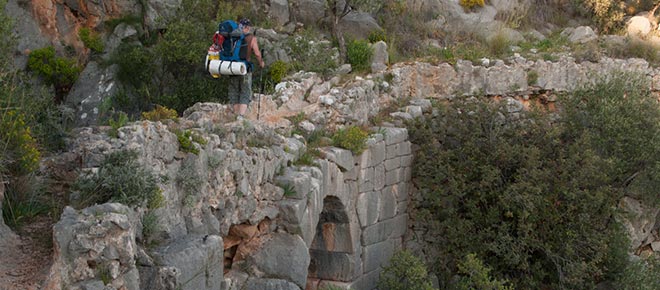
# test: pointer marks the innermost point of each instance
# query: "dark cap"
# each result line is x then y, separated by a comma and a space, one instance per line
245, 22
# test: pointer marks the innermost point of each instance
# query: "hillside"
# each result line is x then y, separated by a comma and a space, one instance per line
330, 175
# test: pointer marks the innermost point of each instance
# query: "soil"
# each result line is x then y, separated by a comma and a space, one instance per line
26, 257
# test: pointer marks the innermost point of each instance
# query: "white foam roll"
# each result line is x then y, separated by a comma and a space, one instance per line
224, 67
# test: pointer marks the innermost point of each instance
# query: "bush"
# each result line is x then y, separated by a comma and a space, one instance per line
377, 35
405, 272
359, 54
136, 65
121, 121
309, 54
187, 140
22, 154
120, 178
91, 40
470, 4
352, 138
160, 113
23, 201
57, 71
278, 70
475, 275
526, 193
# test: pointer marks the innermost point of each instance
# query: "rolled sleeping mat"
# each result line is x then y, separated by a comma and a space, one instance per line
207, 61
225, 67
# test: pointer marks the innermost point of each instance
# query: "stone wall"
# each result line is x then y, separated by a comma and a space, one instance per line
240, 212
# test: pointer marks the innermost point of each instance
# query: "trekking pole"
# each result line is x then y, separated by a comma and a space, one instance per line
261, 81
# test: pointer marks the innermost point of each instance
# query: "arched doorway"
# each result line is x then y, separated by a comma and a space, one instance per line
331, 253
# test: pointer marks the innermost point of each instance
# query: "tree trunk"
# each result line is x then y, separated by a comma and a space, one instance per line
336, 31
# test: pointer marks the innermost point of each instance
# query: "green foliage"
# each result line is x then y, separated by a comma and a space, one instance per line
187, 140
309, 54
634, 47
377, 35
527, 193
7, 38
136, 65
20, 147
532, 77
91, 39
352, 138
470, 4
150, 227
359, 54
640, 275
121, 121
607, 14
289, 191
120, 178
278, 70
58, 71
160, 113
475, 275
405, 272
23, 200
498, 45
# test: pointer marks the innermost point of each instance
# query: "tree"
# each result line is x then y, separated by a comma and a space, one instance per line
340, 9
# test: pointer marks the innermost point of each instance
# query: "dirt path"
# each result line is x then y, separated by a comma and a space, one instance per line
25, 258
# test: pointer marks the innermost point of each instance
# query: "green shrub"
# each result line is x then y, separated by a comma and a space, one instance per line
20, 147
91, 39
525, 193
160, 113
309, 54
470, 4
120, 178
498, 45
121, 121
405, 272
352, 138
634, 47
475, 275
278, 70
135, 65
359, 54
57, 71
24, 199
377, 35
640, 275
187, 140
532, 77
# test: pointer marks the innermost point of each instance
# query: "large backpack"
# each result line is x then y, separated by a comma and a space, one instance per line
234, 46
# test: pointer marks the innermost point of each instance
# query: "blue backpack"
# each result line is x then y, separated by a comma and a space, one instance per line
234, 47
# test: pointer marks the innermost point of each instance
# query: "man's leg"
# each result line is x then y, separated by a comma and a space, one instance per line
233, 89
245, 94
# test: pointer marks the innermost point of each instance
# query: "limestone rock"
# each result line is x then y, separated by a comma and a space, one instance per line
640, 228
358, 25
581, 34
95, 240
279, 11
270, 284
638, 26
198, 260
94, 85
380, 59
282, 256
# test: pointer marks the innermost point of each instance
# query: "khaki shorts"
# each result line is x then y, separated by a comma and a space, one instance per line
240, 89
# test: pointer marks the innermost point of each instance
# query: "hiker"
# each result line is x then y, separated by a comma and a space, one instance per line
240, 86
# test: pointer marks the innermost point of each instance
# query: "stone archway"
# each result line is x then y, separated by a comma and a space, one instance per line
331, 252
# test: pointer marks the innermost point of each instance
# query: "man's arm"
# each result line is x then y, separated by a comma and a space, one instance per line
257, 53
